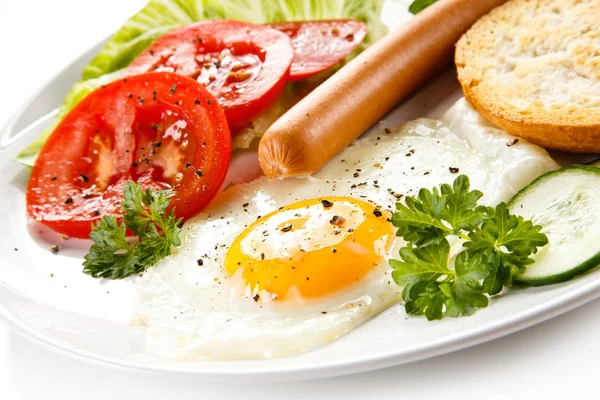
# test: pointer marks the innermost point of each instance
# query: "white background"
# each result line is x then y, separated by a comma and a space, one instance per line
556, 359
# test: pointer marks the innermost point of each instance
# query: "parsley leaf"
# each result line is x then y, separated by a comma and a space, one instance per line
112, 256
415, 222
466, 289
506, 243
461, 210
419, 272
428, 262
494, 247
434, 214
419, 5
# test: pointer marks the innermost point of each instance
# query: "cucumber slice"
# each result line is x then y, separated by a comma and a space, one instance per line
566, 202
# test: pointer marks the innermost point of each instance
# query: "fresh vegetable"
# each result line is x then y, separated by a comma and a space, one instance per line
268, 11
75, 95
145, 214
160, 16
319, 45
139, 31
160, 129
245, 66
419, 5
493, 245
565, 202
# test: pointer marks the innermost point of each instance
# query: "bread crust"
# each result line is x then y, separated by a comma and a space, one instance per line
530, 70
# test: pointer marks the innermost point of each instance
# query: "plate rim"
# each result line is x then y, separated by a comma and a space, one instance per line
545, 311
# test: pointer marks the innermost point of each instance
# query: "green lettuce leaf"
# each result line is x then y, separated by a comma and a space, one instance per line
159, 16
267, 11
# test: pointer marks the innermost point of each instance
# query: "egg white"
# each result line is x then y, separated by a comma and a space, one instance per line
196, 312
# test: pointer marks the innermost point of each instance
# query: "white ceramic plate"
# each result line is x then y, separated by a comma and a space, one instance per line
46, 297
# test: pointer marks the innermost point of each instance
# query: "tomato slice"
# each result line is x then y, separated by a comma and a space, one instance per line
160, 129
245, 66
319, 45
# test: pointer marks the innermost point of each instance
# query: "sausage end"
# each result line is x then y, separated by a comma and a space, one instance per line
283, 155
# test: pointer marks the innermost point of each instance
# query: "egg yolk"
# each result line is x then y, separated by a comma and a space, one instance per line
311, 248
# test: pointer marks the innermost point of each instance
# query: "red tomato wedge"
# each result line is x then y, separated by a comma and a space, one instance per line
160, 129
245, 66
319, 45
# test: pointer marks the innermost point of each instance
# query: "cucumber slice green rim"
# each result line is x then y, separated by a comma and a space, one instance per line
555, 262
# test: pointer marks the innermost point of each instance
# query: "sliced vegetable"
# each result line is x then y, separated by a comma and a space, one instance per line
565, 202
319, 45
245, 66
160, 16
75, 95
159, 129
269, 11
151, 22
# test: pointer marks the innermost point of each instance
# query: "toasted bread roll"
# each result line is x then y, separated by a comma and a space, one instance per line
532, 68
329, 118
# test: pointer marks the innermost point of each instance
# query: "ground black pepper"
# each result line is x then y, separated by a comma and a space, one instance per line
326, 203
286, 228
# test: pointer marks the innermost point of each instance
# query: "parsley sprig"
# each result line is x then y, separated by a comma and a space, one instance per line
145, 213
491, 246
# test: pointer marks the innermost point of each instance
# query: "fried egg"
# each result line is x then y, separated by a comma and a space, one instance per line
276, 268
